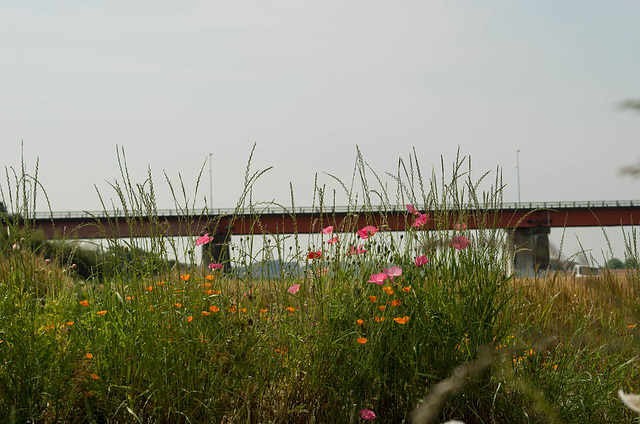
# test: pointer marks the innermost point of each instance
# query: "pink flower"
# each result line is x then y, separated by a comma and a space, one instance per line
328, 230
421, 260
394, 271
461, 226
213, 265
459, 242
367, 231
203, 240
412, 210
314, 255
333, 240
359, 251
420, 220
322, 271
367, 414
294, 288
378, 278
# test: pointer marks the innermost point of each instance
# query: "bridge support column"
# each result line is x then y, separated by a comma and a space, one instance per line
530, 248
217, 250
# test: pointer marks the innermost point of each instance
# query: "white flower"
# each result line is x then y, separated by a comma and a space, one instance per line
631, 400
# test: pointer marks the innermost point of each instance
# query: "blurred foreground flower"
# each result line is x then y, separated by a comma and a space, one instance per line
393, 271
632, 400
367, 232
213, 265
367, 414
294, 288
420, 220
314, 255
412, 209
333, 240
459, 242
328, 230
421, 260
203, 240
378, 278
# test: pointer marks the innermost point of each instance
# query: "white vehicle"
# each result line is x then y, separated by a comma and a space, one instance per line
585, 271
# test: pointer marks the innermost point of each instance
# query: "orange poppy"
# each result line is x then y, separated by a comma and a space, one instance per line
406, 289
382, 307
214, 308
189, 319
362, 340
290, 309
209, 277
69, 323
185, 277
205, 313
401, 320
84, 302
359, 321
89, 355
101, 312
94, 376
396, 302
373, 299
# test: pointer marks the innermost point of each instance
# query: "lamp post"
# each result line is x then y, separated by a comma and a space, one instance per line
518, 168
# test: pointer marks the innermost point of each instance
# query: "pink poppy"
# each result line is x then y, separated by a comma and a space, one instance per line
215, 266
378, 278
294, 288
367, 414
461, 226
421, 260
420, 220
394, 271
459, 242
412, 210
359, 251
328, 230
314, 255
203, 240
367, 231
333, 240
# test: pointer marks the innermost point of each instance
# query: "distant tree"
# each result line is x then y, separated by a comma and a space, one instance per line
631, 263
615, 263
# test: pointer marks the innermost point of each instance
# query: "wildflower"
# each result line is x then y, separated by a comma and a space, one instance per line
150, 288
367, 232
161, 283
94, 376
328, 230
129, 297
362, 340
314, 255
189, 319
394, 271
185, 277
421, 260
406, 289
47, 261
214, 308
632, 400
263, 311
89, 355
333, 240
382, 307
459, 242
322, 271
209, 277
461, 226
203, 240
84, 302
16, 246
631, 326
178, 305
396, 303
213, 265
373, 299
294, 288
379, 319
367, 414
101, 312
205, 313
359, 321
378, 278
401, 320
290, 309
69, 323
388, 290
412, 210
420, 220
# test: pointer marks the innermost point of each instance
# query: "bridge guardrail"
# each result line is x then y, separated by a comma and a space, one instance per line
264, 209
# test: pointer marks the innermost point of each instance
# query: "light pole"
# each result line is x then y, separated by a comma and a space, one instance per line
210, 182
518, 168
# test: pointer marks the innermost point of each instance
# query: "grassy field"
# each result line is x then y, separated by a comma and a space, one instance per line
421, 327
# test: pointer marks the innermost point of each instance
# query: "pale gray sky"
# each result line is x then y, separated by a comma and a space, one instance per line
172, 81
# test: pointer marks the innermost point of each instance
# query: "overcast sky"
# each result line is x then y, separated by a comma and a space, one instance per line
307, 82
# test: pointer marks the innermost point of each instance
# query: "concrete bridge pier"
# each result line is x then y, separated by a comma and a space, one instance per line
217, 250
531, 250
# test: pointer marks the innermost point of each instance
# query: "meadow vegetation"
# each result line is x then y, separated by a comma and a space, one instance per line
420, 327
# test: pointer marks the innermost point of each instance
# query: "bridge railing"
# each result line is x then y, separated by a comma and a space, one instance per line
279, 210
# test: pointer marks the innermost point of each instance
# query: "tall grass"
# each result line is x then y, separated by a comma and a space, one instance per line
458, 337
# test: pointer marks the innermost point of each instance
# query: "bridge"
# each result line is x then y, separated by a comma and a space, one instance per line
531, 222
